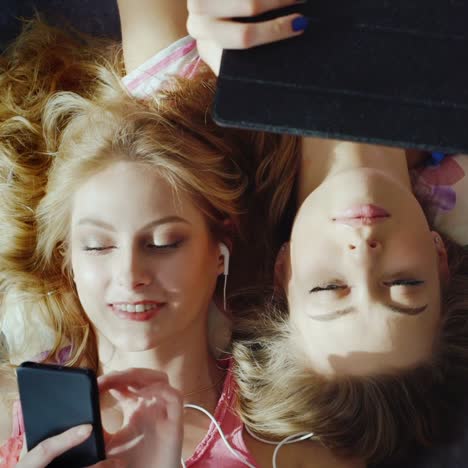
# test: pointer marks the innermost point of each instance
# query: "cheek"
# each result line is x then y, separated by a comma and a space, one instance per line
191, 269
90, 277
413, 252
310, 257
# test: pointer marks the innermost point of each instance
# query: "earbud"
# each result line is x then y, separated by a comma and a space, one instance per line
224, 251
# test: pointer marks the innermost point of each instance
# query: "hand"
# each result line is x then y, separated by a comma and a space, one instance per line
208, 23
48, 450
152, 430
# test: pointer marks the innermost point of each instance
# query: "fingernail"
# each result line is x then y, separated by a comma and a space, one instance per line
437, 158
300, 23
84, 430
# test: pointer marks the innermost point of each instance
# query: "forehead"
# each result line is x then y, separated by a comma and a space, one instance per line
126, 191
370, 343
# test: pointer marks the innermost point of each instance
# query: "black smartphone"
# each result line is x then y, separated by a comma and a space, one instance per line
377, 71
55, 399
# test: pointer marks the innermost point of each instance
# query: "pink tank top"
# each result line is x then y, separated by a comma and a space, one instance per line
11, 450
211, 452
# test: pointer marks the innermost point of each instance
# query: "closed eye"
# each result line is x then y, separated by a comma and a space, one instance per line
405, 283
97, 249
329, 287
165, 246
151, 246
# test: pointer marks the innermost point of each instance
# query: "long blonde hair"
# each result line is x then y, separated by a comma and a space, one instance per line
41, 61
375, 417
65, 132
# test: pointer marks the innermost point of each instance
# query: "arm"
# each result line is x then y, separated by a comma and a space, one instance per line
5, 421
7, 388
149, 26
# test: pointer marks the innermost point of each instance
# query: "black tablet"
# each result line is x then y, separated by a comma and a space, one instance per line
393, 72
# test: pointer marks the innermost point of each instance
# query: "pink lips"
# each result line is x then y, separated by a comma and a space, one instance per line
362, 215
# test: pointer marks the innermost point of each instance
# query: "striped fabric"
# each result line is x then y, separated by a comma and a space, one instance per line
180, 58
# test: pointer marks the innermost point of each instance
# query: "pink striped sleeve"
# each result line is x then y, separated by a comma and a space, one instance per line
179, 59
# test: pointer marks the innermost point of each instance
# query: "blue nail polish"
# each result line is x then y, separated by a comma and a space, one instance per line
437, 158
300, 23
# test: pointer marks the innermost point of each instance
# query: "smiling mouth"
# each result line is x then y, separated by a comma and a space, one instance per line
136, 308
139, 312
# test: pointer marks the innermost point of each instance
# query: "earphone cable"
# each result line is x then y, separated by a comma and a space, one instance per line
221, 433
288, 440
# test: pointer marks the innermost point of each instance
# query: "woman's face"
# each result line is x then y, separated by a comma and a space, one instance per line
144, 263
364, 295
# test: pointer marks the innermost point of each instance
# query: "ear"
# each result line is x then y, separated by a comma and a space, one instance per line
444, 270
281, 266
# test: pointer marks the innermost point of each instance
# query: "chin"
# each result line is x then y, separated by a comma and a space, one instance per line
134, 344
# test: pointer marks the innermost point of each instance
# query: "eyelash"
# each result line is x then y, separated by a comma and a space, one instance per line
405, 283
174, 245
333, 287
329, 287
151, 246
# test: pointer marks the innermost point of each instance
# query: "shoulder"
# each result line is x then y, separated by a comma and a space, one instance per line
308, 454
312, 454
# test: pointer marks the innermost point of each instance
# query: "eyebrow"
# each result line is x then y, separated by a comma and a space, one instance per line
152, 224
351, 310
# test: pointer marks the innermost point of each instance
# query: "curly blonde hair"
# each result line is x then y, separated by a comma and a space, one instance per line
42, 61
70, 118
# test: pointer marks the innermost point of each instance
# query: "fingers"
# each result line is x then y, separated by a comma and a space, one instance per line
171, 398
45, 452
235, 8
165, 401
135, 377
233, 35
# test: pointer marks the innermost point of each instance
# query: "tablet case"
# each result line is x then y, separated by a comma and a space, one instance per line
393, 72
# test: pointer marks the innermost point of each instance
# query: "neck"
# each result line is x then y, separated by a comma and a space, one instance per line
186, 360
322, 159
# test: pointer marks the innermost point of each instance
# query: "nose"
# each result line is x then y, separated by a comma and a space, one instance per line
133, 272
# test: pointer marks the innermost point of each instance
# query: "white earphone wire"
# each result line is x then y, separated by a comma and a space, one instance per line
221, 433
224, 293
290, 440
301, 436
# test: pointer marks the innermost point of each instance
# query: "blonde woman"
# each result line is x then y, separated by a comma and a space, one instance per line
114, 210
368, 324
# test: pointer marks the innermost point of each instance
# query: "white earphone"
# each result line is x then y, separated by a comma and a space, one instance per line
224, 251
